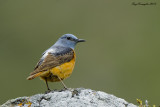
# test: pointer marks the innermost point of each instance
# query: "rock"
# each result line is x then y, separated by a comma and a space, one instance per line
79, 97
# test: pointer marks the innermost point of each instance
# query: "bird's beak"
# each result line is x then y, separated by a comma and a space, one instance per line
81, 40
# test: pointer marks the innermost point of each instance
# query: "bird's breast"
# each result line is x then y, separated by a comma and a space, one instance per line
62, 71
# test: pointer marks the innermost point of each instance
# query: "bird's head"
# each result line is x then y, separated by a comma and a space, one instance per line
68, 40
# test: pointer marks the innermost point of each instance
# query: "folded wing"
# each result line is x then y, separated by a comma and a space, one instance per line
52, 60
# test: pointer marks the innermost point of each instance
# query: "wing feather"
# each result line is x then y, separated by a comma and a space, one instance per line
52, 60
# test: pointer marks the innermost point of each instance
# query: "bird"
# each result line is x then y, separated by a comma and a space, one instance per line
58, 61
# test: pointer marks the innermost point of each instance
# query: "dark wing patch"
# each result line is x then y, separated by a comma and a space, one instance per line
38, 64
54, 59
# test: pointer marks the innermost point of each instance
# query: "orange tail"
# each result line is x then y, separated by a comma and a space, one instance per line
34, 76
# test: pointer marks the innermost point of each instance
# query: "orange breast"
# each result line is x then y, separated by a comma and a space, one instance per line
65, 70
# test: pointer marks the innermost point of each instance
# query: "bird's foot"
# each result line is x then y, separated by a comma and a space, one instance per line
64, 89
74, 92
48, 91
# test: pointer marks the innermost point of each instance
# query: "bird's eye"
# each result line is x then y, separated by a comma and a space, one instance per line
68, 38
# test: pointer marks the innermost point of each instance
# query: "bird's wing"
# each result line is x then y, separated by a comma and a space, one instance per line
54, 59
39, 63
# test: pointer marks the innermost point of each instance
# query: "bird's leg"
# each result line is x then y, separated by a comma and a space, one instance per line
47, 84
62, 83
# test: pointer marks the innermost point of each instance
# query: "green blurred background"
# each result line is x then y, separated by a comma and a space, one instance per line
121, 55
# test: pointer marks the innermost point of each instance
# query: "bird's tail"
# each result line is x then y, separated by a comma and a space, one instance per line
34, 76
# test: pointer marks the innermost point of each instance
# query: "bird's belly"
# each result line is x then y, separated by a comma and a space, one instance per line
65, 70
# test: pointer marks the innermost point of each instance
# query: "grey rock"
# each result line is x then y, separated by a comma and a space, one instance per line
79, 97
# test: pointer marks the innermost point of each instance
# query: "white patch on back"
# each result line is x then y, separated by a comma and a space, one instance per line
47, 51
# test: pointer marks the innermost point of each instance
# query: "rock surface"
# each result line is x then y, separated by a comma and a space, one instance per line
69, 98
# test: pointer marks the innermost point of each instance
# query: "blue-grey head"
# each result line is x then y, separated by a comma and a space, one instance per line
68, 40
